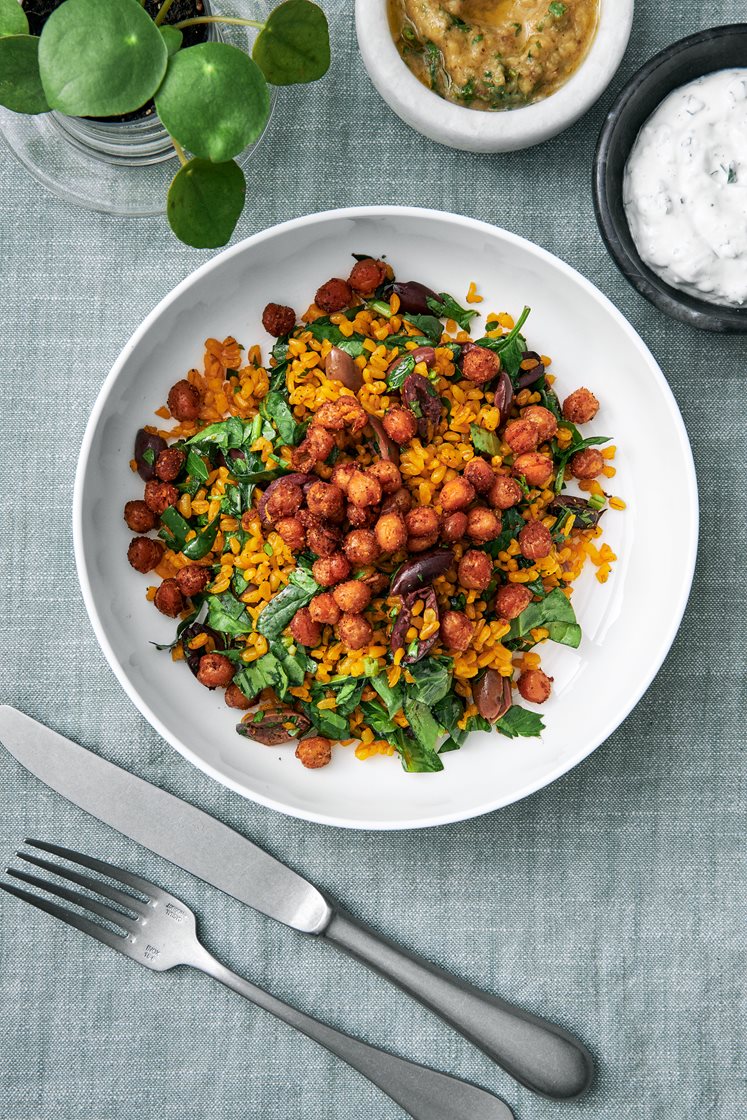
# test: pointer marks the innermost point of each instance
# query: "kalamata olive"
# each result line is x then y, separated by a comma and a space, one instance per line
388, 449
194, 656
421, 398
586, 515
415, 574
529, 376
398, 638
492, 695
295, 476
339, 366
147, 441
268, 727
504, 395
413, 297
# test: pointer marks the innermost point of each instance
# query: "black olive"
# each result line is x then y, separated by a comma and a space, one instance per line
415, 574
147, 441
268, 726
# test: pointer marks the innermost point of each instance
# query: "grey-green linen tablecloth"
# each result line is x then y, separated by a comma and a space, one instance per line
612, 901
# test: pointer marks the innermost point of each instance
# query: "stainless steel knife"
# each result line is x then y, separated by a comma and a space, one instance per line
540, 1055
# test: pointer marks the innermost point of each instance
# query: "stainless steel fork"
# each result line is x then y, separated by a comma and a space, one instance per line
157, 930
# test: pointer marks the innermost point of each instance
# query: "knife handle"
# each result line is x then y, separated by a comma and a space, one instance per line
538, 1054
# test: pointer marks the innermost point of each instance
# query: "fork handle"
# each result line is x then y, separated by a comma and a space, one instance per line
425, 1093
540, 1055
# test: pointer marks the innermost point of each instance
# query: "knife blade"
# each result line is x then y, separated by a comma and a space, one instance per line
540, 1055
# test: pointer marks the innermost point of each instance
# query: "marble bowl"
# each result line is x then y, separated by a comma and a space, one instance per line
476, 131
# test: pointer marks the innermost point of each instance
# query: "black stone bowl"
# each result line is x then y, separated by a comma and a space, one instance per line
719, 48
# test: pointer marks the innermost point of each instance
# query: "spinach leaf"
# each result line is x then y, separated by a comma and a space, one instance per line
448, 711
520, 722
322, 329
402, 370
277, 377
274, 407
228, 614
422, 723
392, 696
257, 675
328, 723
483, 440
429, 325
175, 529
478, 723
196, 466
432, 679
225, 434
578, 444
200, 545
346, 691
511, 525
281, 349
237, 499
378, 720
555, 613
511, 346
277, 614
416, 759
295, 665
446, 307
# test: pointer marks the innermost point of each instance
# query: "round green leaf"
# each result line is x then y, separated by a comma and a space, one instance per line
172, 37
100, 58
294, 45
205, 201
20, 85
12, 18
214, 100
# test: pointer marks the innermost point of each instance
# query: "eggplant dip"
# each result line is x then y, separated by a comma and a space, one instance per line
493, 54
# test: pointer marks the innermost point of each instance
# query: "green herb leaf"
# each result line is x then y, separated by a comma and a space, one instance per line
422, 722
228, 614
483, 440
378, 720
399, 373
274, 407
392, 696
557, 9
417, 758
432, 679
448, 711
20, 84
511, 347
172, 37
322, 329
328, 722
555, 613
447, 307
100, 60
214, 100
196, 467
511, 525
578, 444
294, 45
226, 434
277, 614
520, 722
12, 18
257, 675
175, 529
431, 327
205, 202
200, 545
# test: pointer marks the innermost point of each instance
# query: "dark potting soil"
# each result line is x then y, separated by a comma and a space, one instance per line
39, 11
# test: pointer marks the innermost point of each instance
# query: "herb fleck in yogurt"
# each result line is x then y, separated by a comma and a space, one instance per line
685, 189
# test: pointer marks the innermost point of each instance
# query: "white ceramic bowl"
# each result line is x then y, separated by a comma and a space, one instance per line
471, 129
629, 623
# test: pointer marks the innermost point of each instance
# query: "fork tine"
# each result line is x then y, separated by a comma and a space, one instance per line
100, 933
107, 912
110, 869
96, 885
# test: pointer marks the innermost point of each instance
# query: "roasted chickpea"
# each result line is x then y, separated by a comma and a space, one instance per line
342, 474
314, 752
479, 474
421, 544
455, 526
352, 597
313, 449
361, 547
184, 401
587, 463
215, 670
326, 500
535, 541
366, 275
580, 407
482, 525
543, 420
169, 464
387, 475
456, 630
305, 630
364, 489
480, 365
193, 579
329, 570
391, 532
144, 554
534, 685
278, 319
160, 495
235, 698
422, 521
505, 492
361, 517
321, 538
354, 631
344, 414
324, 609
456, 494
169, 599
139, 517
475, 570
536, 468
334, 295
400, 424
292, 531
285, 500
512, 599
400, 501
521, 435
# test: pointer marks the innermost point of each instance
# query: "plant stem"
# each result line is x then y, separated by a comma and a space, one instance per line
163, 11
215, 19
179, 150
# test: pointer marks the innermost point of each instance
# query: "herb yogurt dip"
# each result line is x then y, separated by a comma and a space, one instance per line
493, 54
685, 189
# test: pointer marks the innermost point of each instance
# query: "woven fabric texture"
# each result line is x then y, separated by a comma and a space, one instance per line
612, 901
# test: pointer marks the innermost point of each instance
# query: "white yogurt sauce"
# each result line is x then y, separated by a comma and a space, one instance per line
685, 188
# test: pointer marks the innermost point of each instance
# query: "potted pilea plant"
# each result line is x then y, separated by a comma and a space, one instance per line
117, 59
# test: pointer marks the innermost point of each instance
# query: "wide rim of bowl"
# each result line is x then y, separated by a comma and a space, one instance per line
687, 566
472, 130
614, 228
